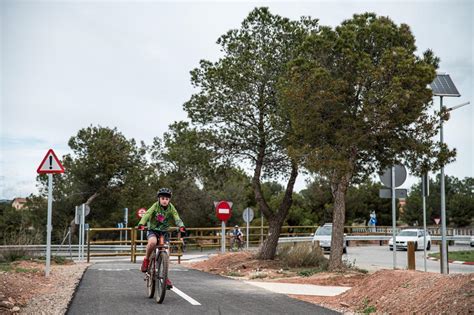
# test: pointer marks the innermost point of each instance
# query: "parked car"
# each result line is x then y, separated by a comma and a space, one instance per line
472, 241
411, 235
323, 236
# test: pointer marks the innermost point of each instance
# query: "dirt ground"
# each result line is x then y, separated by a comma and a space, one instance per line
26, 290
385, 291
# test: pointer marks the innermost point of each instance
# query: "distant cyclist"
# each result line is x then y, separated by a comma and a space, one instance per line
157, 219
237, 236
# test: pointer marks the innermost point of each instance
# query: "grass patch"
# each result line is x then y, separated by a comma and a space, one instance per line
5, 267
465, 255
309, 272
234, 274
367, 308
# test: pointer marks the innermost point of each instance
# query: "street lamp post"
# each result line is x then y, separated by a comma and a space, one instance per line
444, 251
444, 86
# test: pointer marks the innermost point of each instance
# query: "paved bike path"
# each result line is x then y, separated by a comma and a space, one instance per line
118, 288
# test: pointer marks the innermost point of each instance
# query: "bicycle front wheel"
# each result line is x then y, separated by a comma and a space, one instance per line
161, 276
151, 277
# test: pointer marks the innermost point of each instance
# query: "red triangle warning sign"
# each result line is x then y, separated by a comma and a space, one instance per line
50, 164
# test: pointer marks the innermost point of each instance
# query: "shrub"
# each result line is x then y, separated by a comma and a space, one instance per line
13, 254
234, 274
258, 275
302, 255
309, 272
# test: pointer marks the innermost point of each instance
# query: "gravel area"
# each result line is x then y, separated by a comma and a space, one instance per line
26, 290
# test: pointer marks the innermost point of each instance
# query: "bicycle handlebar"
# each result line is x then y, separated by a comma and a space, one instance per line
145, 228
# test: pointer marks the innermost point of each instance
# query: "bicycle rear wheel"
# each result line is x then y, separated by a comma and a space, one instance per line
151, 277
161, 276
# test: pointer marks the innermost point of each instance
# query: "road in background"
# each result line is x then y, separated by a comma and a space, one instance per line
375, 258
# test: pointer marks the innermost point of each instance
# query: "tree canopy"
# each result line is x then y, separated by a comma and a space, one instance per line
358, 101
238, 102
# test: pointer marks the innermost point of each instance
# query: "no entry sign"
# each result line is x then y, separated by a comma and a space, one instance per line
223, 210
141, 212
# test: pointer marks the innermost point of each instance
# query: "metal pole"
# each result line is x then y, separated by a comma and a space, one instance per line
79, 235
125, 220
83, 219
223, 238
49, 224
394, 219
261, 227
444, 254
247, 231
69, 240
424, 230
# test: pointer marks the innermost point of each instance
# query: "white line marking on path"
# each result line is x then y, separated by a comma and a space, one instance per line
185, 296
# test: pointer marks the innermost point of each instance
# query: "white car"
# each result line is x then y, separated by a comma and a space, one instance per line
323, 236
411, 235
472, 241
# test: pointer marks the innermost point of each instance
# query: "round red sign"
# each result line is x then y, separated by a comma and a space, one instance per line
141, 212
224, 210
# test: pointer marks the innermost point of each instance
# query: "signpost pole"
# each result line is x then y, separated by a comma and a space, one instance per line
248, 216
120, 225
425, 186
247, 234
394, 219
80, 234
83, 219
223, 213
50, 165
78, 216
125, 222
49, 223
223, 237
69, 240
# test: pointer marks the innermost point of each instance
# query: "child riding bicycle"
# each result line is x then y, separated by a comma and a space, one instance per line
157, 220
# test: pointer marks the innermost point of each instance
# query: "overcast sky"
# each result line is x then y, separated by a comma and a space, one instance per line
68, 64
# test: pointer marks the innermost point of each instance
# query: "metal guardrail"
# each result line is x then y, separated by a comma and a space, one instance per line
463, 238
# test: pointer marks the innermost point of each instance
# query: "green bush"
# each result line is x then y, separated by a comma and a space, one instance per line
13, 254
302, 255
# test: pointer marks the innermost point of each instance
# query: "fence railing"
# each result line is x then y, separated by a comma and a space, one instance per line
130, 242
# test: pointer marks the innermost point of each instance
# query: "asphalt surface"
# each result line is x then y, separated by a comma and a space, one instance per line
119, 288
376, 257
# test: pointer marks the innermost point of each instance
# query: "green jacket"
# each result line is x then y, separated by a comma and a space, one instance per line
158, 219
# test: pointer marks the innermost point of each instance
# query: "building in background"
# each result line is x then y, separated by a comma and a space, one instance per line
19, 203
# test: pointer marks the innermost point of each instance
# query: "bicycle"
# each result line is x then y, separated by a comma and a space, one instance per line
236, 240
158, 271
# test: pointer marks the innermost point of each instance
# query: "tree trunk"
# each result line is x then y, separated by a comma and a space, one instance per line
269, 246
339, 189
275, 220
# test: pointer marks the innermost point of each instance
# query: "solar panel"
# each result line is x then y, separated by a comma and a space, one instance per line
444, 86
